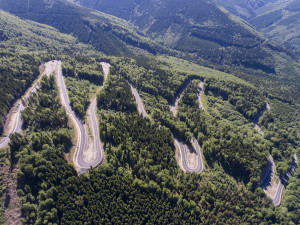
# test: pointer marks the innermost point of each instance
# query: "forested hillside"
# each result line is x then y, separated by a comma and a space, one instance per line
27, 36
17, 72
200, 29
107, 34
277, 19
245, 99
157, 54
84, 77
140, 171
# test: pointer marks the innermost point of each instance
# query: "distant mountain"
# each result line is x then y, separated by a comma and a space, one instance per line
200, 29
28, 36
106, 33
277, 19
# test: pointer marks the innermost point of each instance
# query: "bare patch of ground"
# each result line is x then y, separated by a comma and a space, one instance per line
12, 204
10, 119
178, 157
89, 154
191, 158
272, 188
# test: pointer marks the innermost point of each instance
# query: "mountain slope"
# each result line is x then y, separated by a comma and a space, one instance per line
106, 33
200, 29
20, 35
279, 20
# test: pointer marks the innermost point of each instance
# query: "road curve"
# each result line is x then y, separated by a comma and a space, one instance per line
82, 132
183, 152
16, 128
283, 181
269, 174
200, 164
98, 146
49, 69
93, 122
138, 100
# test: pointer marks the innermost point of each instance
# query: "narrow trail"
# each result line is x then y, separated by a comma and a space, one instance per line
16, 122
178, 98
82, 134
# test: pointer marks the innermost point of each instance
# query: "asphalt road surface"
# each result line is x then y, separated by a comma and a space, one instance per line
17, 126
268, 176
283, 182
49, 69
82, 132
200, 167
183, 152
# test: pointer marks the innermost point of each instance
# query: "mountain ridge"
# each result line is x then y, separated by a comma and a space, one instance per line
278, 20
201, 30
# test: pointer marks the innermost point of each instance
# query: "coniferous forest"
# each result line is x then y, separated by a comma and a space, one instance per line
202, 75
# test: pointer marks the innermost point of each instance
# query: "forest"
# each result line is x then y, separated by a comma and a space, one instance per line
116, 95
83, 79
140, 169
17, 72
140, 166
140, 181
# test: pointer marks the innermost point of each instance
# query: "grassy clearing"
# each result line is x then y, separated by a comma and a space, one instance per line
183, 66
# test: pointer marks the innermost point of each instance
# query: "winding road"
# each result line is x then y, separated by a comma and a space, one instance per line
269, 174
16, 120
183, 150
283, 182
79, 124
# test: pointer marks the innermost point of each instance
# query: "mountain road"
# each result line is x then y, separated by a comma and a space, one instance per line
81, 130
